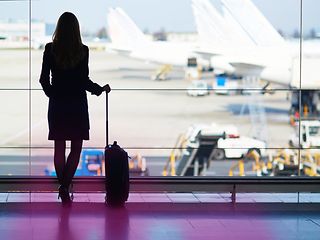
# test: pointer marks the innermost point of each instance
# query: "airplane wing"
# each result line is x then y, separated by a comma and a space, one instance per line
121, 51
247, 69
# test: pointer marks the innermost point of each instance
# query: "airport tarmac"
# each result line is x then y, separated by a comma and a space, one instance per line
145, 116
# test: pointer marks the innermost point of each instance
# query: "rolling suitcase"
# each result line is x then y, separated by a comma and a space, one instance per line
116, 169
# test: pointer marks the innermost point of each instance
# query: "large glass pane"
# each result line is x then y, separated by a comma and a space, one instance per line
39, 119
310, 60
14, 161
14, 43
14, 132
14, 127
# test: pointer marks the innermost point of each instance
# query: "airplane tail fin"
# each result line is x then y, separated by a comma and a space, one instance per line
208, 33
123, 31
116, 32
242, 37
253, 22
216, 28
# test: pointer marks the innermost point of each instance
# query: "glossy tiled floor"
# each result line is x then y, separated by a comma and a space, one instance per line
170, 197
161, 216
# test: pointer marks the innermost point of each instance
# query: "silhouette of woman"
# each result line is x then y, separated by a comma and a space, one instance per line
67, 60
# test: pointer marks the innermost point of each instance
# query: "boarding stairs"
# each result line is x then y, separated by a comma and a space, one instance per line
194, 157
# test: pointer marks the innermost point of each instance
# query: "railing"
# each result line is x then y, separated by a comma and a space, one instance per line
231, 185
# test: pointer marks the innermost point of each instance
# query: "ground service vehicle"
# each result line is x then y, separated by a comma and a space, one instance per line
203, 143
198, 88
92, 164
237, 147
309, 134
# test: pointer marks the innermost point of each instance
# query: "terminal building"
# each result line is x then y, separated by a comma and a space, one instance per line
16, 33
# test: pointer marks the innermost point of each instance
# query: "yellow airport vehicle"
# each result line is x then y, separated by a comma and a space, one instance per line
138, 166
259, 168
162, 72
176, 152
296, 163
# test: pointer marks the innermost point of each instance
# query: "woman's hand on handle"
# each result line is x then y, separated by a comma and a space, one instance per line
106, 88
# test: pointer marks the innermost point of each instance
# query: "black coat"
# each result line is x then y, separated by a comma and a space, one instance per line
68, 116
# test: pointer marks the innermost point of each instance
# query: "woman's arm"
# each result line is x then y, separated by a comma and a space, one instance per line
45, 72
90, 86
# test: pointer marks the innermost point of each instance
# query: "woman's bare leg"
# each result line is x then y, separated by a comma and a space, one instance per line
72, 162
60, 159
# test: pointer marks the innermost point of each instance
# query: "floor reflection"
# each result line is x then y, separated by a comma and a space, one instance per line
64, 230
117, 223
92, 221
144, 221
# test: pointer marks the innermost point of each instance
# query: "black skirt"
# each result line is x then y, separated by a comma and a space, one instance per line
68, 118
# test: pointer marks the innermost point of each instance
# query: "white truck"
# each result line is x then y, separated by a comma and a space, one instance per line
237, 147
232, 145
309, 134
198, 88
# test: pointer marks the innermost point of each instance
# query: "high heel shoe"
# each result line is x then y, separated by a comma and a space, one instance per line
64, 194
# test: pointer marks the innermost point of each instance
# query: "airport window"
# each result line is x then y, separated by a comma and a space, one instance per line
227, 88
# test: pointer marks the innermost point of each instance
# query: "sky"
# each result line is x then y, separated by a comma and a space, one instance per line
153, 15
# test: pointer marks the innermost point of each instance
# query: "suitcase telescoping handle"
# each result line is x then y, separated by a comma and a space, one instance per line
107, 120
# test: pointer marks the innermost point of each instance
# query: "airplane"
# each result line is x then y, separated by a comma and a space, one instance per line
240, 40
129, 40
267, 56
268, 53
248, 58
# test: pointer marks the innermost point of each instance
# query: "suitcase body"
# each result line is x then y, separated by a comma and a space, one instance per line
117, 175
116, 169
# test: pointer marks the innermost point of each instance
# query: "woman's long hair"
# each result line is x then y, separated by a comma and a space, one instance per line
67, 45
